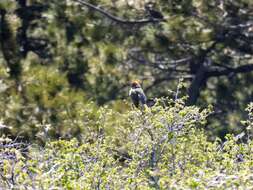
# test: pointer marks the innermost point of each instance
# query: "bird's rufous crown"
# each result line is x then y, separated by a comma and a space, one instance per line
135, 83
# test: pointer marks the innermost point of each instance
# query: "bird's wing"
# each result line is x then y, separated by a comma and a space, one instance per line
130, 91
141, 96
134, 96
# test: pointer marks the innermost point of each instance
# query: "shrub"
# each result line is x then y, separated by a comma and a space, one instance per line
159, 148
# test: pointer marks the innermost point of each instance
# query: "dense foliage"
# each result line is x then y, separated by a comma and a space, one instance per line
161, 148
57, 54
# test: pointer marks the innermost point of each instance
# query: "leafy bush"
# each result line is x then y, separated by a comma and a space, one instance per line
159, 148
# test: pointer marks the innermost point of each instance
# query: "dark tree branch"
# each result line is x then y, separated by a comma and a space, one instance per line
115, 18
222, 72
9, 47
164, 66
22, 34
241, 26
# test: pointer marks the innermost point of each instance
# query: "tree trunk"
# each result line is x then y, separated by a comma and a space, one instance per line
198, 82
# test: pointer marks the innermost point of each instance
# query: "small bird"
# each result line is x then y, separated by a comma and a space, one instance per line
154, 14
137, 95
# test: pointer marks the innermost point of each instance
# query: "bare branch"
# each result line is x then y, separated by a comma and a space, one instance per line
163, 65
115, 18
241, 26
240, 69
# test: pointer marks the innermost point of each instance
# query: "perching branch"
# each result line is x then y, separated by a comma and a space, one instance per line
115, 18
